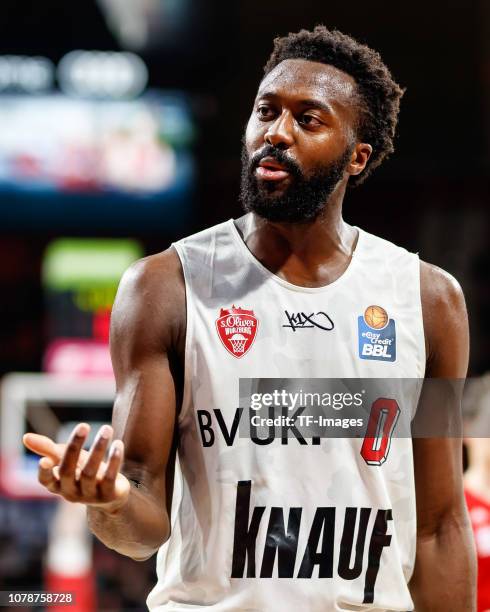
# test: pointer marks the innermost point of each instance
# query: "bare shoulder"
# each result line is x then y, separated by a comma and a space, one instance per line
156, 273
151, 298
438, 287
444, 313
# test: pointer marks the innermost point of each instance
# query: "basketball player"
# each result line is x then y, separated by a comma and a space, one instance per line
477, 479
287, 291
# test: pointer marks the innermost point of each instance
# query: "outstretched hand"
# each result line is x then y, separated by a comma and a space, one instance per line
79, 475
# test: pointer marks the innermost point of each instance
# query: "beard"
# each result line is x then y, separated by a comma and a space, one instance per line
305, 196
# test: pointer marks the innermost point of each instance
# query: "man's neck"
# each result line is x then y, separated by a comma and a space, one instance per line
307, 254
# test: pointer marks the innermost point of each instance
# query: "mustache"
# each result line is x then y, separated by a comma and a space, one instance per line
280, 156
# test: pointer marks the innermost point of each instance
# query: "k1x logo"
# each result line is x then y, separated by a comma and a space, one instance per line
301, 320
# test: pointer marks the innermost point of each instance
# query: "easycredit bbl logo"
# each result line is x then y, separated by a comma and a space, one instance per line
377, 335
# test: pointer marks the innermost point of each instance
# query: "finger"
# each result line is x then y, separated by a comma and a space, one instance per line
42, 445
107, 484
46, 476
88, 474
68, 482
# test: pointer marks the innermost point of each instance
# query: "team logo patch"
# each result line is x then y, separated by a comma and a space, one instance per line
377, 335
237, 329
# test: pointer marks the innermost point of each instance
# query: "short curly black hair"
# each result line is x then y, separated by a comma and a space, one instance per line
378, 94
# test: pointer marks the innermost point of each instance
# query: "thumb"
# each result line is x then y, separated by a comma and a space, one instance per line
42, 445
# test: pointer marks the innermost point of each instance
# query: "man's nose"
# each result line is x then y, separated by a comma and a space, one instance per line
280, 133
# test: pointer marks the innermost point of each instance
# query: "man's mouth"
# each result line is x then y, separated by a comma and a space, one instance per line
269, 169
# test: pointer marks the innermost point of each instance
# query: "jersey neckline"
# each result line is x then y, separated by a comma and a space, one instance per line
323, 288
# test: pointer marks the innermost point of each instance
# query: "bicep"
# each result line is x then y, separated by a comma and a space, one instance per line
445, 324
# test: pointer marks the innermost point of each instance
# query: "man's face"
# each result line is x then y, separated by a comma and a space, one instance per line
299, 141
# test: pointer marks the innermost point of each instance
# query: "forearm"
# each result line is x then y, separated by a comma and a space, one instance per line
135, 530
444, 579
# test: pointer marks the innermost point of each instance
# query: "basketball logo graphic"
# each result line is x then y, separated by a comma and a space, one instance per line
376, 317
237, 328
377, 335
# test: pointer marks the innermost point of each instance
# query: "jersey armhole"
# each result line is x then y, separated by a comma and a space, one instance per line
189, 333
422, 352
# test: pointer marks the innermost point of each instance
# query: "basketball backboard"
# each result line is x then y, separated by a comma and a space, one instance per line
48, 404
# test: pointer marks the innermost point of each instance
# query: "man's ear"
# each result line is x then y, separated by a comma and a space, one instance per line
359, 158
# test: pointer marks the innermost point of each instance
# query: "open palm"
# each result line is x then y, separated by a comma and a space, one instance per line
79, 475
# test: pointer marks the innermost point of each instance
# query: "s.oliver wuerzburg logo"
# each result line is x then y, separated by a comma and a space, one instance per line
237, 329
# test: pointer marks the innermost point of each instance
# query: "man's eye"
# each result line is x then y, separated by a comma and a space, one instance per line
309, 120
264, 112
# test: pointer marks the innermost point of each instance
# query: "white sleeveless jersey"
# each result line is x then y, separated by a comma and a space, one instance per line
317, 525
